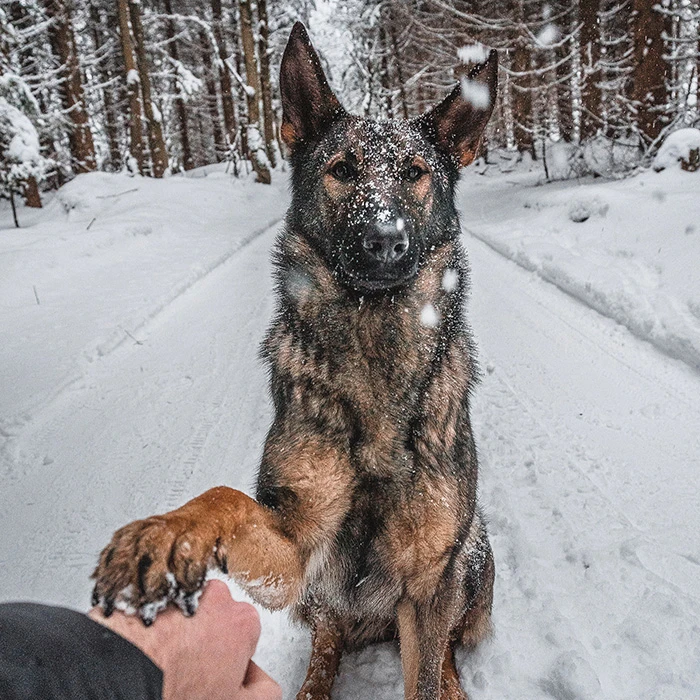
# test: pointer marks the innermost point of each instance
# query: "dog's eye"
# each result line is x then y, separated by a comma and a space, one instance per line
414, 173
342, 171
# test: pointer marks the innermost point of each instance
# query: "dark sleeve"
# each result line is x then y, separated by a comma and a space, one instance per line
49, 653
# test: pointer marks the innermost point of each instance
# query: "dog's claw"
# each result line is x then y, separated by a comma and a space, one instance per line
188, 602
107, 606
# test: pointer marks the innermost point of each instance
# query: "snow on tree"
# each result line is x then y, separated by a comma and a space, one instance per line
20, 154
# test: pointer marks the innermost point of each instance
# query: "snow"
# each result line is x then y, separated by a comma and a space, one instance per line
548, 35
629, 249
450, 280
135, 385
676, 148
472, 53
132, 77
429, 316
476, 94
20, 155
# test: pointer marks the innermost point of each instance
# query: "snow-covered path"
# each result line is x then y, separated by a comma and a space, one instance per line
589, 444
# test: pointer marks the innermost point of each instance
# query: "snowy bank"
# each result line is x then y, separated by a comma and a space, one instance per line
628, 249
104, 257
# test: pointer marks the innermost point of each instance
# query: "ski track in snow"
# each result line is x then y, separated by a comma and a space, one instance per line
588, 443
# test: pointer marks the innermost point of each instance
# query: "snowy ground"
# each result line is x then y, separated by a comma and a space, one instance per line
134, 384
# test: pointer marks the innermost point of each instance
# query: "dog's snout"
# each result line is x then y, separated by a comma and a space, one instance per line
386, 242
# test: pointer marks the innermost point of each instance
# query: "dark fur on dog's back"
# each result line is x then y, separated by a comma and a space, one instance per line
366, 522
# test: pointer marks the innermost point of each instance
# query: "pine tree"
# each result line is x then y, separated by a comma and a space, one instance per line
62, 39
255, 144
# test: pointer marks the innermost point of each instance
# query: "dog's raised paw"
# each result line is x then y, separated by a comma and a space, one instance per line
152, 562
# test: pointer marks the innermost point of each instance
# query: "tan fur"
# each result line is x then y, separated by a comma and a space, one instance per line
410, 647
420, 539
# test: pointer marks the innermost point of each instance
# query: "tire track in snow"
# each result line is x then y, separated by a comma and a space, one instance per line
673, 346
71, 548
12, 427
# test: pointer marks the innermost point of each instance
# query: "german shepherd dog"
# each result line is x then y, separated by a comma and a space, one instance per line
366, 521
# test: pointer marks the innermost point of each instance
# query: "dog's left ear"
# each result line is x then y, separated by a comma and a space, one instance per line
458, 122
308, 103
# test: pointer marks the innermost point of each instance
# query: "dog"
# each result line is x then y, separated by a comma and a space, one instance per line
366, 523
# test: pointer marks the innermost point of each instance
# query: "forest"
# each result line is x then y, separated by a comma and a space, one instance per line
156, 87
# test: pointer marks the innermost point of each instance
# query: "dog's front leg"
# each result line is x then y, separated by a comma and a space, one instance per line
165, 558
423, 637
326, 650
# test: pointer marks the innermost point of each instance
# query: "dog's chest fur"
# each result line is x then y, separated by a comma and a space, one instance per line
387, 390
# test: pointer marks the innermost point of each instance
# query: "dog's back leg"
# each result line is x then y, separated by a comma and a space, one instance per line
326, 650
477, 620
451, 688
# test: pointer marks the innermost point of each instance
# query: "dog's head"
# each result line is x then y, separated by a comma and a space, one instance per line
375, 198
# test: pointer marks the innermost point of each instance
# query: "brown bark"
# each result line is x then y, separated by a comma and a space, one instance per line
252, 94
649, 81
590, 65
399, 69
132, 85
63, 46
265, 83
212, 100
224, 77
522, 99
565, 98
187, 161
156, 143
32, 197
107, 73
385, 78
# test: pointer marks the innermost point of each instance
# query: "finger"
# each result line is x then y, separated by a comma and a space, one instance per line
259, 685
214, 593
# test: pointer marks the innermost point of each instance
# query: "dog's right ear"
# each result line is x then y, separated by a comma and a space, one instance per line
308, 103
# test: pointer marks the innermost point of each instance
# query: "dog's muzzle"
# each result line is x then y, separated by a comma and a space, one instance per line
382, 256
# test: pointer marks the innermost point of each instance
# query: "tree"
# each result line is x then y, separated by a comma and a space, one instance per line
20, 159
159, 157
265, 82
136, 151
224, 68
255, 144
180, 93
71, 87
649, 84
590, 67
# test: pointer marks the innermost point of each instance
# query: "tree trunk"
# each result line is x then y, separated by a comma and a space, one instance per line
265, 83
224, 77
590, 67
132, 86
649, 79
14, 207
522, 99
385, 78
32, 198
156, 144
212, 100
106, 75
256, 147
63, 45
399, 69
565, 97
187, 161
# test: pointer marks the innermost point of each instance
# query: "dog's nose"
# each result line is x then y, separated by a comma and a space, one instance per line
385, 242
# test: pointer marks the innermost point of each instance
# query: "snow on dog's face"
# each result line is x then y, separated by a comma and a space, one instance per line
374, 198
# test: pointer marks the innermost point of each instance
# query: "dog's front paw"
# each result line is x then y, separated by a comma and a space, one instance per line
152, 562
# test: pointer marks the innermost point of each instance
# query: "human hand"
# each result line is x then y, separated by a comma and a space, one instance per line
204, 657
